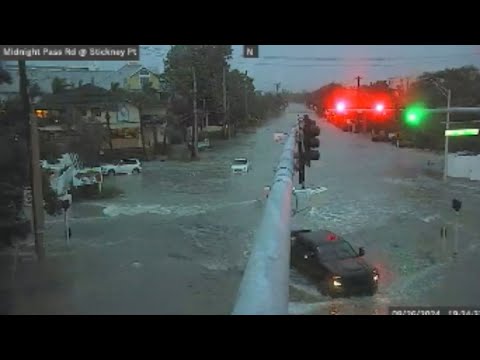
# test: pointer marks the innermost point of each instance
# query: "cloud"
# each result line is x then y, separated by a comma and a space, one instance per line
308, 67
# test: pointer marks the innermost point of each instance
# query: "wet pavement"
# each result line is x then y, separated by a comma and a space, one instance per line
178, 240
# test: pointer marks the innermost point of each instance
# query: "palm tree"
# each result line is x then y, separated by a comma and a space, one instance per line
4, 75
59, 85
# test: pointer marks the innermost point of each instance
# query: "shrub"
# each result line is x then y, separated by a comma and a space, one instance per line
92, 192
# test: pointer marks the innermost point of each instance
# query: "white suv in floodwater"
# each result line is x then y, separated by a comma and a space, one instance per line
125, 166
241, 165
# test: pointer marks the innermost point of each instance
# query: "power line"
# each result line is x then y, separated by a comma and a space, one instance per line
347, 64
352, 62
373, 58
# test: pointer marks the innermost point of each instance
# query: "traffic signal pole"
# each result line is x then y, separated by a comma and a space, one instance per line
301, 156
447, 127
264, 289
301, 167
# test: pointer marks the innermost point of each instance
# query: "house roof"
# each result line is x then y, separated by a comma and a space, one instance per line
121, 74
44, 75
86, 95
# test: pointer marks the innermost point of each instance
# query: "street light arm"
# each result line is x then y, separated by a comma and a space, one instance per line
441, 88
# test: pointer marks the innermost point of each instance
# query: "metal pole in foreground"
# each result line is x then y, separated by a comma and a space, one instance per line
264, 287
447, 126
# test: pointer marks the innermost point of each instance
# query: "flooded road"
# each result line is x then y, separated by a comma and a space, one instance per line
178, 240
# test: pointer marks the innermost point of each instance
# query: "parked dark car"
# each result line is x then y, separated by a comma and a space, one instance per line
333, 264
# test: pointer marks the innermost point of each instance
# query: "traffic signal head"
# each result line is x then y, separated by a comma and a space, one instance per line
313, 155
379, 107
414, 115
310, 133
314, 142
310, 141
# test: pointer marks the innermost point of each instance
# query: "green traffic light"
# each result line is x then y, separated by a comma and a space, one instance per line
414, 115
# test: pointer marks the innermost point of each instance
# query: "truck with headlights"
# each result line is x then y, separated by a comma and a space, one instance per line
333, 264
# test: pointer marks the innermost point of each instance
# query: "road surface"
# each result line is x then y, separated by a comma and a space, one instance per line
178, 240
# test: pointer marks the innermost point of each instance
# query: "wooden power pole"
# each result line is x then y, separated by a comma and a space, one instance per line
246, 94
35, 172
226, 119
277, 87
358, 78
195, 117
204, 113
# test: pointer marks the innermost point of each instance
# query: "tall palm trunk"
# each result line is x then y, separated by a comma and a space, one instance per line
142, 133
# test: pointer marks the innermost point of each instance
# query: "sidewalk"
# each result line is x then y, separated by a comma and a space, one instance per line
11, 257
460, 284
30, 287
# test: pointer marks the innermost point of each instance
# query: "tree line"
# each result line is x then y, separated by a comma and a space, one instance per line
14, 167
227, 95
426, 90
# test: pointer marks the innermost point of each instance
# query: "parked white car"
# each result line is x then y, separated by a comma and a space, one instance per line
241, 165
125, 166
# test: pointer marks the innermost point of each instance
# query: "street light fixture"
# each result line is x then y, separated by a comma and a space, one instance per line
448, 94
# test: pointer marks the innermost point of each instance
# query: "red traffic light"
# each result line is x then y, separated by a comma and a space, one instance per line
379, 107
341, 106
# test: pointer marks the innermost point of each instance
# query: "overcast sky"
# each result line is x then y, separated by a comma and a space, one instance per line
306, 67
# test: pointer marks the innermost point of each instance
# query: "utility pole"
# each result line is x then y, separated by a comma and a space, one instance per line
226, 119
448, 94
35, 173
447, 126
357, 120
195, 117
109, 129
204, 113
277, 87
206, 121
246, 94
358, 78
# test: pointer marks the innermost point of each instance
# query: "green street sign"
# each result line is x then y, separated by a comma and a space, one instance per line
462, 132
